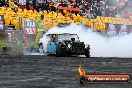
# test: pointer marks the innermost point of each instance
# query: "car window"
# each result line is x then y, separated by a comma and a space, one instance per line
67, 37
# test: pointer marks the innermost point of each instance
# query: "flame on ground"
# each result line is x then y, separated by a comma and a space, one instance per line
81, 71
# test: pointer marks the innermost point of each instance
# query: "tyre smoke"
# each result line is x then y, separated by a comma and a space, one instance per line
101, 46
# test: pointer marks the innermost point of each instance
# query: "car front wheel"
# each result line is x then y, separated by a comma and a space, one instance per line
58, 53
41, 50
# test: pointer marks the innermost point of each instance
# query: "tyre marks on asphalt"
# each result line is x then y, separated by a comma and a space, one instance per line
54, 72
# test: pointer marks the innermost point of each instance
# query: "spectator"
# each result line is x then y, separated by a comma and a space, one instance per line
4, 3
52, 7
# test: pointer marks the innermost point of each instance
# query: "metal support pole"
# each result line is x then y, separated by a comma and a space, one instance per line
20, 22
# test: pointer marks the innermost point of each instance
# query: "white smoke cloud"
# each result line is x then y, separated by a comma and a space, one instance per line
101, 46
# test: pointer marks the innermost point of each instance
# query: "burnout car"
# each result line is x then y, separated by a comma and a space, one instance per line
63, 44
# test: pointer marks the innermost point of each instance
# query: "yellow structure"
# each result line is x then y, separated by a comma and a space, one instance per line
52, 18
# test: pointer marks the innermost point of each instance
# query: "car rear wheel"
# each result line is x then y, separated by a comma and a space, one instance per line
87, 52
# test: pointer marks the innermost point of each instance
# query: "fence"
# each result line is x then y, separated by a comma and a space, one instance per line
15, 43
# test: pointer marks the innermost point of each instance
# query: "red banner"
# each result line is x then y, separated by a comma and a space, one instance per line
68, 8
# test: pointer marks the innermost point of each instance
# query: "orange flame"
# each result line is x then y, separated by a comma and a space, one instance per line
81, 71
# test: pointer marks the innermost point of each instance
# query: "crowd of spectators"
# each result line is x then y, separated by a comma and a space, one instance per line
118, 7
88, 8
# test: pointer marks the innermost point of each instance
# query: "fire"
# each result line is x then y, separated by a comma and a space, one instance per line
81, 71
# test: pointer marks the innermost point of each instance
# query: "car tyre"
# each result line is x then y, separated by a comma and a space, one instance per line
87, 52
68, 53
41, 50
58, 53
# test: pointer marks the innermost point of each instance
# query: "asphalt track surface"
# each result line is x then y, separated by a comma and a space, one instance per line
59, 72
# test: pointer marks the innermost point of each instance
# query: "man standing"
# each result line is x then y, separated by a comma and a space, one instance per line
22, 3
111, 30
